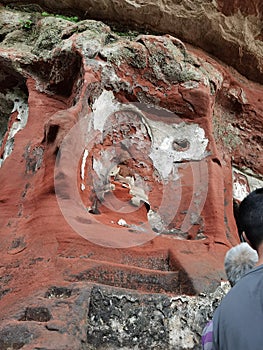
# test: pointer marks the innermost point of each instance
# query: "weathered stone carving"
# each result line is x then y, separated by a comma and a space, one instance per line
164, 124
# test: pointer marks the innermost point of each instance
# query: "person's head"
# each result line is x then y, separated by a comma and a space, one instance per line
250, 218
238, 261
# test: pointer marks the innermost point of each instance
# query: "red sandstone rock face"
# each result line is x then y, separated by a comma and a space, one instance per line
161, 125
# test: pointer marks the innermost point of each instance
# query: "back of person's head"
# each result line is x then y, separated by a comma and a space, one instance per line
250, 218
238, 261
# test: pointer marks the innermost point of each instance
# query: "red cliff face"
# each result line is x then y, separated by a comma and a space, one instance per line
118, 159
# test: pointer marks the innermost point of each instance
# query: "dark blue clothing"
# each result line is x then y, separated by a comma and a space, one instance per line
238, 321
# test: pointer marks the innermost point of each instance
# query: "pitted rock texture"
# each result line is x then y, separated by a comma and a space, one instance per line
57, 73
86, 317
148, 321
231, 31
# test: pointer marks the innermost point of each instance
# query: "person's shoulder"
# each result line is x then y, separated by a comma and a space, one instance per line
257, 268
254, 273
248, 282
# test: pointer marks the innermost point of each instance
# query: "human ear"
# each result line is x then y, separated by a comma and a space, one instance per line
245, 239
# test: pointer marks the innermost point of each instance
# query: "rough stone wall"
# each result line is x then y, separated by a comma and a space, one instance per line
85, 317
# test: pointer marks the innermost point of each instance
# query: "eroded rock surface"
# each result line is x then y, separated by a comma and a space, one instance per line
231, 31
99, 317
116, 169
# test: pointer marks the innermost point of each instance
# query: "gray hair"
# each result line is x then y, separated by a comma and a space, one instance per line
238, 261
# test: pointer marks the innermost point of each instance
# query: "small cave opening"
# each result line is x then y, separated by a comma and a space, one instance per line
181, 145
61, 74
52, 134
36, 313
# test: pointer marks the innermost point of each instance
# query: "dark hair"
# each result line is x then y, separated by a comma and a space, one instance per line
250, 217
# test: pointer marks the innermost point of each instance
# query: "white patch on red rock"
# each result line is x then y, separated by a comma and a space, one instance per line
165, 155
103, 107
134, 150
244, 183
83, 164
21, 107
